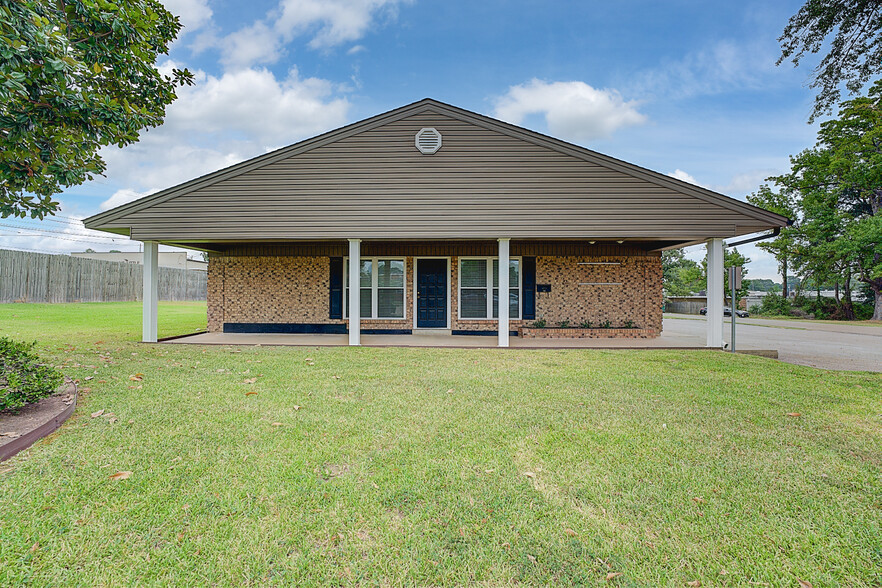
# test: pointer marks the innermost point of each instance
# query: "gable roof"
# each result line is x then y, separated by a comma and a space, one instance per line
490, 179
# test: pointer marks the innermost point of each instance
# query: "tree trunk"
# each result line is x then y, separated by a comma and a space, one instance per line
836, 294
876, 287
784, 275
848, 307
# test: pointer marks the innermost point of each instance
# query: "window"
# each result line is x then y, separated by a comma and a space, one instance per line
381, 285
479, 288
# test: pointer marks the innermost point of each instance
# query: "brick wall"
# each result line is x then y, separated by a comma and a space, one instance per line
294, 289
267, 290
635, 292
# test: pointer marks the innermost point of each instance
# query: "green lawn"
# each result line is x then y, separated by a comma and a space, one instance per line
308, 466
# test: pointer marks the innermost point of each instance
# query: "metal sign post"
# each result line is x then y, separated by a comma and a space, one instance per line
734, 284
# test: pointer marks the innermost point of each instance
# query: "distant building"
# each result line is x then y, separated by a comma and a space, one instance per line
177, 259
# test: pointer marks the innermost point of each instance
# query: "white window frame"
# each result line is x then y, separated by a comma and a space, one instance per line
490, 287
375, 288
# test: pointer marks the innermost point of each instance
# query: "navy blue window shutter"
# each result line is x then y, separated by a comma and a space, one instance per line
529, 304
336, 281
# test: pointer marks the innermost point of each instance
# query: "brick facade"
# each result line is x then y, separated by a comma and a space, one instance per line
288, 288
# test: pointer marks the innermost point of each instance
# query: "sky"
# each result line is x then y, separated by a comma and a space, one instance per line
685, 88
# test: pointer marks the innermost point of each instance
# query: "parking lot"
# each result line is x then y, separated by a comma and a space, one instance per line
840, 346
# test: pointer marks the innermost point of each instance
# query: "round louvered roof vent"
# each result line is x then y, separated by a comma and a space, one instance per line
428, 141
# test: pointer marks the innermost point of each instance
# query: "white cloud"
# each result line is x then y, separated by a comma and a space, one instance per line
740, 184
121, 197
356, 49
255, 104
336, 21
573, 110
721, 67
679, 174
749, 181
329, 23
256, 43
194, 14
220, 121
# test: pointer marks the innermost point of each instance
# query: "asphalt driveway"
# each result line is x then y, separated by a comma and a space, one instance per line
829, 346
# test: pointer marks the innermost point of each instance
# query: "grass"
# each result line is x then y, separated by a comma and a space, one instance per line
779, 317
410, 466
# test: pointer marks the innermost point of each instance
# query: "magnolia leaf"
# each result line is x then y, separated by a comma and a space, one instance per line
794, 414
613, 575
250, 381
97, 413
120, 476
694, 583
804, 583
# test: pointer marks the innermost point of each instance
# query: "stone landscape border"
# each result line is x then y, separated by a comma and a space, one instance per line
50, 425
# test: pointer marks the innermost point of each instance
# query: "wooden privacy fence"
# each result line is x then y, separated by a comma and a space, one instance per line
38, 277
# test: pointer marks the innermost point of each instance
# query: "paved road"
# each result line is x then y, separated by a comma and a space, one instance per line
828, 346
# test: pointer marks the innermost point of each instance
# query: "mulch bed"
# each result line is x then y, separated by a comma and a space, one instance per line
22, 427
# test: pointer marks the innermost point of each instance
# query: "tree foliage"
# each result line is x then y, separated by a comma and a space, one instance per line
854, 54
76, 76
731, 258
782, 202
836, 188
682, 276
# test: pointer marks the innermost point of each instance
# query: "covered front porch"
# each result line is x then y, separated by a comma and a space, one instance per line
674, 336
298, 294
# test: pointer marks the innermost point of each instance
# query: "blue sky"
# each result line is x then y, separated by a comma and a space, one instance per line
684, 88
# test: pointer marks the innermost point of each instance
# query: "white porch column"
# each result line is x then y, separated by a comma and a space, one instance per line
354, 291
151, 292
715, 293
503, 292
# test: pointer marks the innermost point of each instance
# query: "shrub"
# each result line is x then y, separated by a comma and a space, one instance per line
563, 324
629, 324
606, 324
585, 324
540, 324
774, 304
23, 379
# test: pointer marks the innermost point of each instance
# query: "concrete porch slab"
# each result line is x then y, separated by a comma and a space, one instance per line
676, 334
425, 341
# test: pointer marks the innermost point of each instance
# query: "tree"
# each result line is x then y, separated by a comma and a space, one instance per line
855, 50
762, 285
783, 246
682, 276
75, 76
731, 258
839, 184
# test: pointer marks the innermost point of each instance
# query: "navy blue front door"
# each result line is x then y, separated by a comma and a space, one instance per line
431, 293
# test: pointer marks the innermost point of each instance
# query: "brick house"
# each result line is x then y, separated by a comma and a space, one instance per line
418, 209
